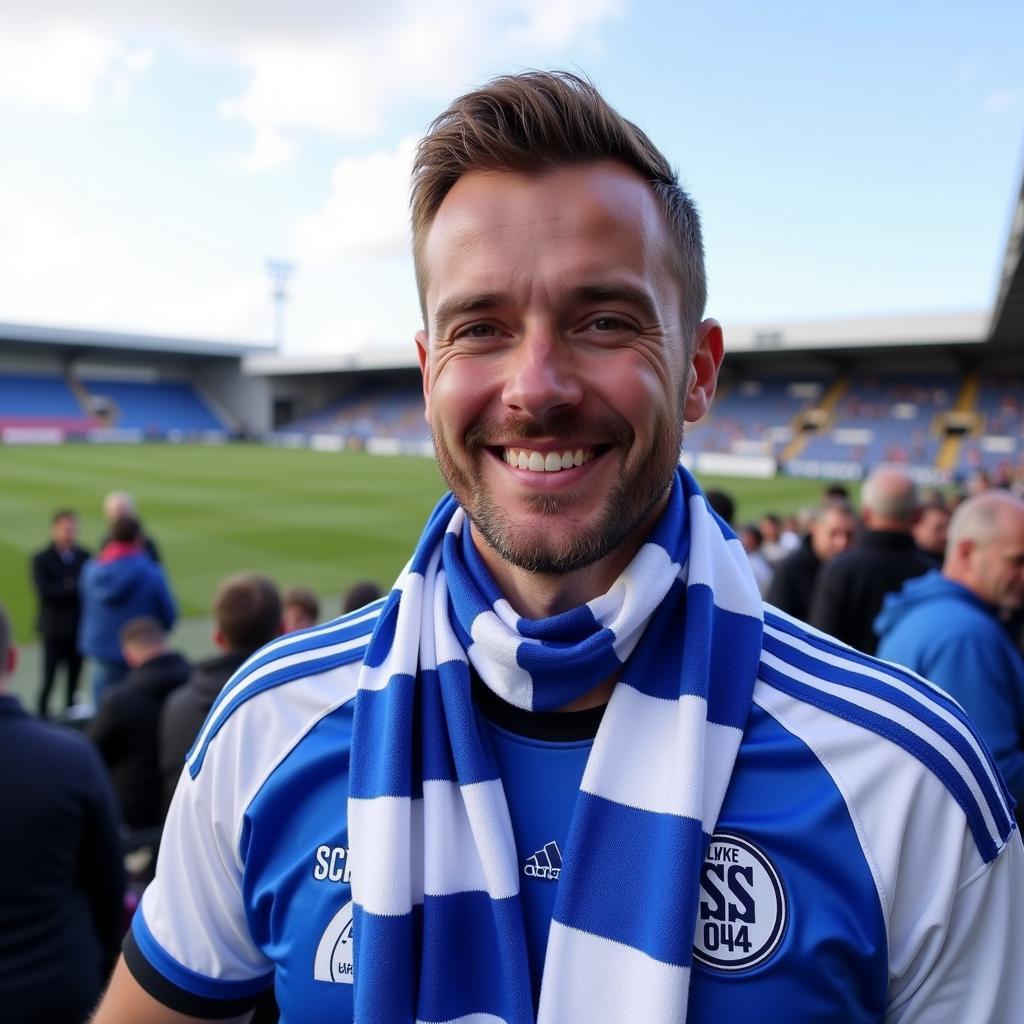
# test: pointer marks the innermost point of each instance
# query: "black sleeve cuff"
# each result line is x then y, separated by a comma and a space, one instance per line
167, 993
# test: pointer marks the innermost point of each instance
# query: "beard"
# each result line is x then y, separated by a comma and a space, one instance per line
643, 482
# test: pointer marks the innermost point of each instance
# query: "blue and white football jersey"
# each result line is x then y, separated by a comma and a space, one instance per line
864, 867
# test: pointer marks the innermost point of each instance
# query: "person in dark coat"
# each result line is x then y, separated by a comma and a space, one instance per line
830, 534
55, 575
61, 873
849, 591
247, 612
118, 505
122, 582
126, 727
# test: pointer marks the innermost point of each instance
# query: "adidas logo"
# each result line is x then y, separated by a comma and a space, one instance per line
546, 863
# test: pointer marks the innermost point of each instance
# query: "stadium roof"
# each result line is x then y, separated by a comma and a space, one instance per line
76, 342
1008, 314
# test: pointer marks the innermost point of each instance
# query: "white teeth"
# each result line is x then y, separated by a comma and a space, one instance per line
538, 462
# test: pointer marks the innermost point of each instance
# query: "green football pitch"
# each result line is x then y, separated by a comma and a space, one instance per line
320, 519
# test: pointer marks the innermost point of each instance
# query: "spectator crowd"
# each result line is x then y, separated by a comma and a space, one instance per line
929, 581
94, 779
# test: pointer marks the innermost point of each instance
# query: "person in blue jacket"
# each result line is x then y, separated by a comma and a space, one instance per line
121, 583
945, 625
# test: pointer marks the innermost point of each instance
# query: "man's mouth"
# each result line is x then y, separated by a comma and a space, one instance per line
546, 462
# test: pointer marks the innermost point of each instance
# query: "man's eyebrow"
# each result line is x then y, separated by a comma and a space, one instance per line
625, 293
462, 305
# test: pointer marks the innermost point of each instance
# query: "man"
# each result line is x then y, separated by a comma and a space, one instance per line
850, 589
247, 615
391, 819
830, 533
753, 544
931, 531
55, 573
121, 505
61, 879
126, 727
300, 609
945, 626
121, 583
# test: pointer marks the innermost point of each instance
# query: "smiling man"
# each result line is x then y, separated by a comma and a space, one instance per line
572, 769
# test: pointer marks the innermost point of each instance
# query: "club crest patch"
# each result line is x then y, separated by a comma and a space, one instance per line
334, 952
742, 913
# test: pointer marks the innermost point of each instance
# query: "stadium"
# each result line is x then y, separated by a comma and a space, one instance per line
313, 468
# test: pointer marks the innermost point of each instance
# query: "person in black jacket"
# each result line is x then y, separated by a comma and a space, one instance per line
55, 575
849, 591
247, 611
61, 874
126, 727
831, 533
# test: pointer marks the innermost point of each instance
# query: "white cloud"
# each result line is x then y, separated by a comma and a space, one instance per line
66, 69
58, 270
367, 211
1000, 102
337, 69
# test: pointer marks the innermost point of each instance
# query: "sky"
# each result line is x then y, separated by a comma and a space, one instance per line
848, 159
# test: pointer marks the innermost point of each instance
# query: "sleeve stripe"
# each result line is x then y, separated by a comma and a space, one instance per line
178, 988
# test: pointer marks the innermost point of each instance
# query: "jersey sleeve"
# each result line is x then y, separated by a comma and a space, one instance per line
190, 945
969, 968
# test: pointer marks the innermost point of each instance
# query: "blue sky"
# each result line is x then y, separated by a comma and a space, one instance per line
848, 159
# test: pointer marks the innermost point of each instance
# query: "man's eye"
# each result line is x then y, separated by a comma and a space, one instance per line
609, 323
477, 331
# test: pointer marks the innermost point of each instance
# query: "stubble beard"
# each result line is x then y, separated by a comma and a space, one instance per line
628, 507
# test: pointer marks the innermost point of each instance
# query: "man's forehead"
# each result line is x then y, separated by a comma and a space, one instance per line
490, 211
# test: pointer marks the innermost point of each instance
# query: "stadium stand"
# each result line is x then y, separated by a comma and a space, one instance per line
152, 406
883, 419
384, 413
754, 416
35, 400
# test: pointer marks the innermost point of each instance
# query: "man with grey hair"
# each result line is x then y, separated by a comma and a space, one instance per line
945, 626
849, 591
118, 504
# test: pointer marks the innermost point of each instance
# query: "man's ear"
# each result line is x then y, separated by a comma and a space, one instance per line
220, 640
12, 660
708, 350
422, 343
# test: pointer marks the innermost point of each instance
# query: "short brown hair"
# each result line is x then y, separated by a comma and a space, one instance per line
143, 631
247, 608
538, 121
304, 598
125, 530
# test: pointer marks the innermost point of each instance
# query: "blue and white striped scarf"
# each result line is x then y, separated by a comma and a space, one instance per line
439, 931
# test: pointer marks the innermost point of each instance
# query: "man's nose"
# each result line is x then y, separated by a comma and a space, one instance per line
542, 375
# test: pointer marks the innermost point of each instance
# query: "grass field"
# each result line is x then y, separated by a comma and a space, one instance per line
320, 519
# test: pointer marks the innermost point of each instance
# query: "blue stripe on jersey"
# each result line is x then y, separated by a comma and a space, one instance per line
313, 639
904, 738
301, 670
188, 980
627, 865
841, 676
999, 802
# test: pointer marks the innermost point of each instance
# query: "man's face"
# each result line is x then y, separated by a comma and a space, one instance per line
555, 362
997, 565
832, 533
64, 531
931, 530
